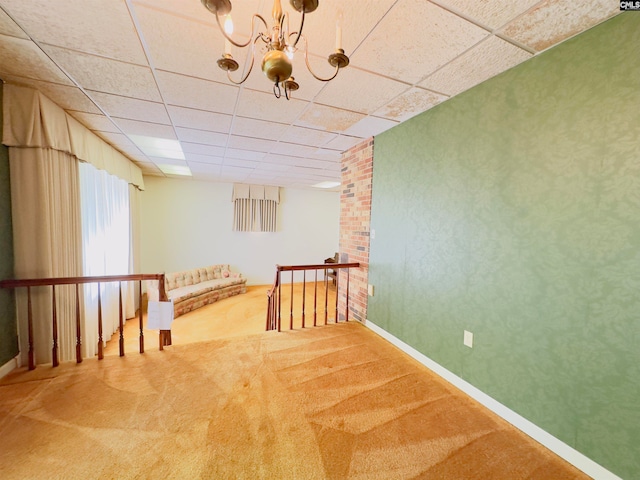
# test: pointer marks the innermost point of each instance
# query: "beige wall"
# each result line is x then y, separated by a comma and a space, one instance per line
187, 224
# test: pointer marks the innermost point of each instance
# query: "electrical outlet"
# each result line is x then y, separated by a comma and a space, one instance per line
372, 234
468, 339
370, 290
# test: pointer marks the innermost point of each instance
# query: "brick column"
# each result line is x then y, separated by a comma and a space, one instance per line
355, 222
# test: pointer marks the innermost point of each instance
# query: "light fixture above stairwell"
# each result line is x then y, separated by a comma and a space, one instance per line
281, 44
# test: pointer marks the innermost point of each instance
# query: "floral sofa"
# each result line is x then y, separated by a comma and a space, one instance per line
195, 288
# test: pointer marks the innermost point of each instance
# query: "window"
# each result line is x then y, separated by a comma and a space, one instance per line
255, 208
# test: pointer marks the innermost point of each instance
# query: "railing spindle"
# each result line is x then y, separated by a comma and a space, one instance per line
346, 313
279, 300
274, 295
326, 297
337, 290
291, 304
100, 340
54, 350
140, 316
78, 332
304, 293
121, 319
32, 358
315, 301
77, 281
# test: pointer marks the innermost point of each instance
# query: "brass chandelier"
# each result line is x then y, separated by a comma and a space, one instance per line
281, 44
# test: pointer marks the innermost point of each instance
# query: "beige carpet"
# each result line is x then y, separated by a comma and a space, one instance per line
329, 402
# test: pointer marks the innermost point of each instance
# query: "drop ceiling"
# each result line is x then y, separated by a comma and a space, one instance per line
127, 68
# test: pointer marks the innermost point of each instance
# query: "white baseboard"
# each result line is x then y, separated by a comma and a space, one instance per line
557, 446
9, 367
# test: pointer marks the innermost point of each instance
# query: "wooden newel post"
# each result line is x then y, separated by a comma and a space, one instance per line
54, 349
165, 335
32, 357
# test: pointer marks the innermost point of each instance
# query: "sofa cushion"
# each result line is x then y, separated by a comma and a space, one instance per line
189, 291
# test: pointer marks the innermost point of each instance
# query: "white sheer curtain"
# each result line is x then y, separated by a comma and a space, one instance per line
104, 201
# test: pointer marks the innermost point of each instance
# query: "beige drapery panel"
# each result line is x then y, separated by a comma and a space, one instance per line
255, 208
45, 144
30, 119
47, 242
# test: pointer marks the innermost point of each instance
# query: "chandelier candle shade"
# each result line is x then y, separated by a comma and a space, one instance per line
280, 42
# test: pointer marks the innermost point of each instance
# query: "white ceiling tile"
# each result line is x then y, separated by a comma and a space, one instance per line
555, 20
266, 107
282, 160
258, 128
147, 129
106, 75
169, 161
409, 104
100, 27
237, 162
193, 92
23, 58
493, 14
482, 62
272, 167
240, 172
201, 136
248, 143
9, 27
179, 44
209, 159
328, 118
360, 91
359, 17
344, 142
200, 149
326, 154
118, 140
308, 136
370, 126
200, 119
95, 122
206, 168
294, 150
131, 108
244, 154
134, 154
192, 10
425, 37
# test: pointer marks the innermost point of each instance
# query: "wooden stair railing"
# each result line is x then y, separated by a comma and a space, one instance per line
164, 335
274, 294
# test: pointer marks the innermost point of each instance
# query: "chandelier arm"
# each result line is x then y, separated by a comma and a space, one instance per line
253, 24
253, 58
306, 60
299, 32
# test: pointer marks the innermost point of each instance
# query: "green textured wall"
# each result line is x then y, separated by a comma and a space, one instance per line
513, 211
8, 331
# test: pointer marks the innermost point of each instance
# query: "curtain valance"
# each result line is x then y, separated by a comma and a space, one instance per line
256, 192
30, 119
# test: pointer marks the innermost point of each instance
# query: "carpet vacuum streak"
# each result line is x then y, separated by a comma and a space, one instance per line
332, 402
